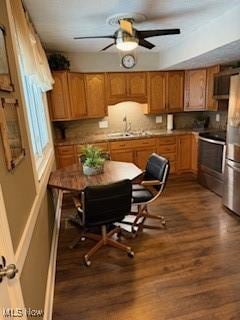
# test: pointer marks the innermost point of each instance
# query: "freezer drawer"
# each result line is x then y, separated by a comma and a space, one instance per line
231, 194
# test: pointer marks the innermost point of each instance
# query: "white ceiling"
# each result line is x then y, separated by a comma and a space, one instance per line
58, 21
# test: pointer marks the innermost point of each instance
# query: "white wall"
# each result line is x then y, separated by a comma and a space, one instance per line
103, 61
215, 42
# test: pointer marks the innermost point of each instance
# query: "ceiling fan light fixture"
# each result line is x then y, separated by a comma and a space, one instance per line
127, 45
125, 42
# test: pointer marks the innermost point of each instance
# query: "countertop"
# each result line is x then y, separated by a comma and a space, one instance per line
105, 138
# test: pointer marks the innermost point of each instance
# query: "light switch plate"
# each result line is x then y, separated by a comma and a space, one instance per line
217, 117
103, 124
159, 119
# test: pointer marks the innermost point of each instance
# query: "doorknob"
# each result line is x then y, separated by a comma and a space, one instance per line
7, 271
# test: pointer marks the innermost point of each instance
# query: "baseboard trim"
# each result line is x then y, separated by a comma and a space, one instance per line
48, 307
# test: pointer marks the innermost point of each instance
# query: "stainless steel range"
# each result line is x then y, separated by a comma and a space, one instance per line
211, 161
231, 196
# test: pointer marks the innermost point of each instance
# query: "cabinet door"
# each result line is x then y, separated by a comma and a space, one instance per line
175, 91
195, 153
124, 156
95, 95
195, 89
184, 153
64, 161
156, 92
59, 97
211, 104
141, 157
116, 87
77, 95
137, 85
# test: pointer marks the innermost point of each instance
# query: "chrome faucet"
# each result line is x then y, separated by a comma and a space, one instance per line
127, 125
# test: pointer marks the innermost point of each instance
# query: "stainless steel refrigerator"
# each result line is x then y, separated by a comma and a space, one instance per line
231, 194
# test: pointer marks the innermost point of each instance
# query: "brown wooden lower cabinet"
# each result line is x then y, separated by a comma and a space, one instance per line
125, 156
195, 153
184, 153
180, 150
65, 156
141, 157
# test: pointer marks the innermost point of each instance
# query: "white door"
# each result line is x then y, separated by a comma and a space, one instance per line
11, 299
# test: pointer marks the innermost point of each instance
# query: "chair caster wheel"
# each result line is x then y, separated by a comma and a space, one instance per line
163, 222
119, 235
130, 254
87, 262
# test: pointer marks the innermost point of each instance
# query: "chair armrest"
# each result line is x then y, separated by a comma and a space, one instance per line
139, 178
151, 183
77, 204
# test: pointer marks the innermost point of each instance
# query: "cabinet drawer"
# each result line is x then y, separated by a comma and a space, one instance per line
130, 144
165, 149
65, 150
166, 140
101, 145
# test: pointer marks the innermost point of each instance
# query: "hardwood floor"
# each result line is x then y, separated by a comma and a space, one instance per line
191, 270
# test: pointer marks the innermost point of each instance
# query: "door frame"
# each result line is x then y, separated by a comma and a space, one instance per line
12, 287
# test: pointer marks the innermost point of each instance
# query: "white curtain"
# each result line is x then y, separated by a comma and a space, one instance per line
32, 53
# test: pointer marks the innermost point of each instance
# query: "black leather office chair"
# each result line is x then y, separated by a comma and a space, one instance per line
102, 206
152, 185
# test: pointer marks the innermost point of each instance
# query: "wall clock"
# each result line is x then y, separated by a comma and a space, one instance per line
128, 61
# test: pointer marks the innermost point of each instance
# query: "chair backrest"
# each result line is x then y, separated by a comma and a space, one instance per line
106, 203
157, 168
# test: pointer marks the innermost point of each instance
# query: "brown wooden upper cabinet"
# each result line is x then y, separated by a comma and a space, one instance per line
124, 86
175, 91
95, 95
211, 104
195, 89
59, 97
77, 96
165, 92
156, 93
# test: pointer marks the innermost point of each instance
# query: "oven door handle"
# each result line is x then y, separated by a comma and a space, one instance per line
212, 141
234, 168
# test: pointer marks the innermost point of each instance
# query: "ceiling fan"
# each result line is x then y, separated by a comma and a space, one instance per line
127, 38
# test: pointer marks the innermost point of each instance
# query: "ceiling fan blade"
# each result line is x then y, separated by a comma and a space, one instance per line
126, 26
96, 37
146, 44
155, 33
110, 45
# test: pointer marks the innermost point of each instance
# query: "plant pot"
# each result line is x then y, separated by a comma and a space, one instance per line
90, 171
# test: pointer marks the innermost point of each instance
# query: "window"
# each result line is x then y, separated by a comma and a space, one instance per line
38, 123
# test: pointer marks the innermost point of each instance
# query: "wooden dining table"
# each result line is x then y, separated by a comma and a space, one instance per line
71, 178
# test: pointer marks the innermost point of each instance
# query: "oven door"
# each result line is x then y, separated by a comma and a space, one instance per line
212, 155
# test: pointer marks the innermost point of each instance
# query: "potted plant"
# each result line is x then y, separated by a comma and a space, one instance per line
92, 160
57, 61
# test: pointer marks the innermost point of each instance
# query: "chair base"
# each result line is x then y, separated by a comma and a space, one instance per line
139, 222
103, 240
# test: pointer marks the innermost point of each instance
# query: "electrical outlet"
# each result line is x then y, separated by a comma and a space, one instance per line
159, 119
217, 117
103, 124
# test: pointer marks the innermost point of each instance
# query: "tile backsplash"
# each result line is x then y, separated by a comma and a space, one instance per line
139, 121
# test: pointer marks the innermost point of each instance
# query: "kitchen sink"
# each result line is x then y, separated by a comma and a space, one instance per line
127, 134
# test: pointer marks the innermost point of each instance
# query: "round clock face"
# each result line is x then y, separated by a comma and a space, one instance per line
128, 61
